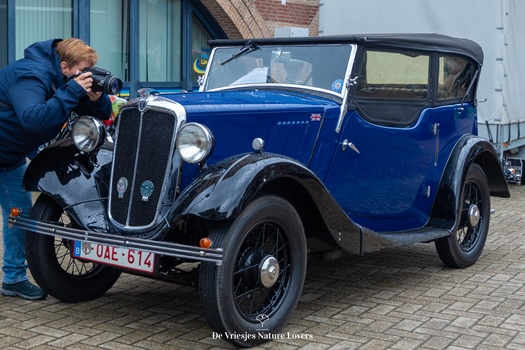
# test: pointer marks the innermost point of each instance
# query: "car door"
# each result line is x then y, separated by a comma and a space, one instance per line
395, 140
383, 173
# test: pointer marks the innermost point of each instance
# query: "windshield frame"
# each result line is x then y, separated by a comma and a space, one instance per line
339, 90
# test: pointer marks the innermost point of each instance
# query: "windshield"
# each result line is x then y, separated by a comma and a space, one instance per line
318, 66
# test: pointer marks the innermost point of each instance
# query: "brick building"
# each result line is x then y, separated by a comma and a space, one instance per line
258, 18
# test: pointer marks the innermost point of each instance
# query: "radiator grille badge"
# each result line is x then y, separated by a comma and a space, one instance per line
122, 186
142, 104
146, 190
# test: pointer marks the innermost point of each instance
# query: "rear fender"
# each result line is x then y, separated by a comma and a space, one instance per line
77, 182
468, 150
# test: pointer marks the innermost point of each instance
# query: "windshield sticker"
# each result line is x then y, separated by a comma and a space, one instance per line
337, 85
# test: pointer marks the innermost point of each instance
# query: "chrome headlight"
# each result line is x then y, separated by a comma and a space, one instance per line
194, 142
88, 134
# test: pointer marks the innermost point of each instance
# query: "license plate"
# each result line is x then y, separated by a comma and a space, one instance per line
133, 259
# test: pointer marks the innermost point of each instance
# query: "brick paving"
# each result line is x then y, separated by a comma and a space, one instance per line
402, 298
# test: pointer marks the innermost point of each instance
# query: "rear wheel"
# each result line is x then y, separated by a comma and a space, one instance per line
256, 289
52, 265
464, 246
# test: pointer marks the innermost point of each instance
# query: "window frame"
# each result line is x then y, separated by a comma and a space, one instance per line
388, 88
386, 111
457, 99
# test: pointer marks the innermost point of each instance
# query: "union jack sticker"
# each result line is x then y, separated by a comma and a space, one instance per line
315, 117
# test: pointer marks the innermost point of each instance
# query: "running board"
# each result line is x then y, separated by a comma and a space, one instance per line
374, 241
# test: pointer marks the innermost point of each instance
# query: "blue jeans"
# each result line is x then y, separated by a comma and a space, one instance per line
13, 195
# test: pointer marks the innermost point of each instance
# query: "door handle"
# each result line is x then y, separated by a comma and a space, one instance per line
347, 143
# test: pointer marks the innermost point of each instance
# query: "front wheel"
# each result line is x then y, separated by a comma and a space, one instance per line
463, 248
254, 292
52, 266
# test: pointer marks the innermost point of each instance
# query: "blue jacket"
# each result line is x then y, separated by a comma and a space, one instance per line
35, 101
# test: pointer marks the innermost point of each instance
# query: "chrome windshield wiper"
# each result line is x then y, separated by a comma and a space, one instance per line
250, 46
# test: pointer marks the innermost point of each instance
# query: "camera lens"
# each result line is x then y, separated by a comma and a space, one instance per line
103, 81
112, 85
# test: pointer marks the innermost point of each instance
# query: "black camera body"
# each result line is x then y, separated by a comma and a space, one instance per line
103, 81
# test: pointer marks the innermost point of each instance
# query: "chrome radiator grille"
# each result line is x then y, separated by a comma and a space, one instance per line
142, 163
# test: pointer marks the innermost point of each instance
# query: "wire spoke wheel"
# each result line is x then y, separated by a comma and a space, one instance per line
52, 265
257, 287
63, 248
465, 245
471, 222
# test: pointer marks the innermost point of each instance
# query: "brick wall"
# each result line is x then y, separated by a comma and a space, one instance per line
258, 18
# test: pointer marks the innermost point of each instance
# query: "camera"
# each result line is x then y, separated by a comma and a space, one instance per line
103, 81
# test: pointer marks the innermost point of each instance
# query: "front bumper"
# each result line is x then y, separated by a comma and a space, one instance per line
156, 247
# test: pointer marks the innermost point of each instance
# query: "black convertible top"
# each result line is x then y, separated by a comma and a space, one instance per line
419, 41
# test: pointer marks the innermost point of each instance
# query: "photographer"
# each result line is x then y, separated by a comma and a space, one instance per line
37, 94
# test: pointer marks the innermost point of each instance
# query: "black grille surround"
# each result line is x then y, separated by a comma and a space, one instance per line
142, 169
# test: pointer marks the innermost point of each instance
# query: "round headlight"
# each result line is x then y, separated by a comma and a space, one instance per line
88, 134
194, 143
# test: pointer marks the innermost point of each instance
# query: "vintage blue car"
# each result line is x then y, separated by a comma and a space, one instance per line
293, 150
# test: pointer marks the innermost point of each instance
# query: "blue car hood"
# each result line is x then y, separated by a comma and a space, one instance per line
250, 101
288, 122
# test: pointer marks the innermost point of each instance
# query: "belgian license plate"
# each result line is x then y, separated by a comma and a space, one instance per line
133, 259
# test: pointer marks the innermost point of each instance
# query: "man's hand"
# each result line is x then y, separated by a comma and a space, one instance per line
93, 96
85, 80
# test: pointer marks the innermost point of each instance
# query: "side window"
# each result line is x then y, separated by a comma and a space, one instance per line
392, 87
455, 74
393, 75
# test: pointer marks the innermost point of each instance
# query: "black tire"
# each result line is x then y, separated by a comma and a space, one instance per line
463, 248
52, 266
241, 298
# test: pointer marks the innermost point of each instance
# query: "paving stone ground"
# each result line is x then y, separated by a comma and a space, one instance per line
402, 298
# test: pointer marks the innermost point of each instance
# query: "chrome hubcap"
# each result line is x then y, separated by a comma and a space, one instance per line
473, 215
268, 271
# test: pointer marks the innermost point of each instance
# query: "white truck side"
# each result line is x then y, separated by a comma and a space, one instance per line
497, 25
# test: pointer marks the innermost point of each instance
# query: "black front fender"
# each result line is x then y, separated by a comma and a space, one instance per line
77, 182
226, 188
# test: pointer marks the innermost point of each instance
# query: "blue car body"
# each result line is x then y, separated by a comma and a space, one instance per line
384, 175
381, 188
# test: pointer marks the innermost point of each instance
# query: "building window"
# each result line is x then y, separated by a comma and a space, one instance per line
160, 41
3, 33
146, 43
200, 50
38, 20
109, 35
